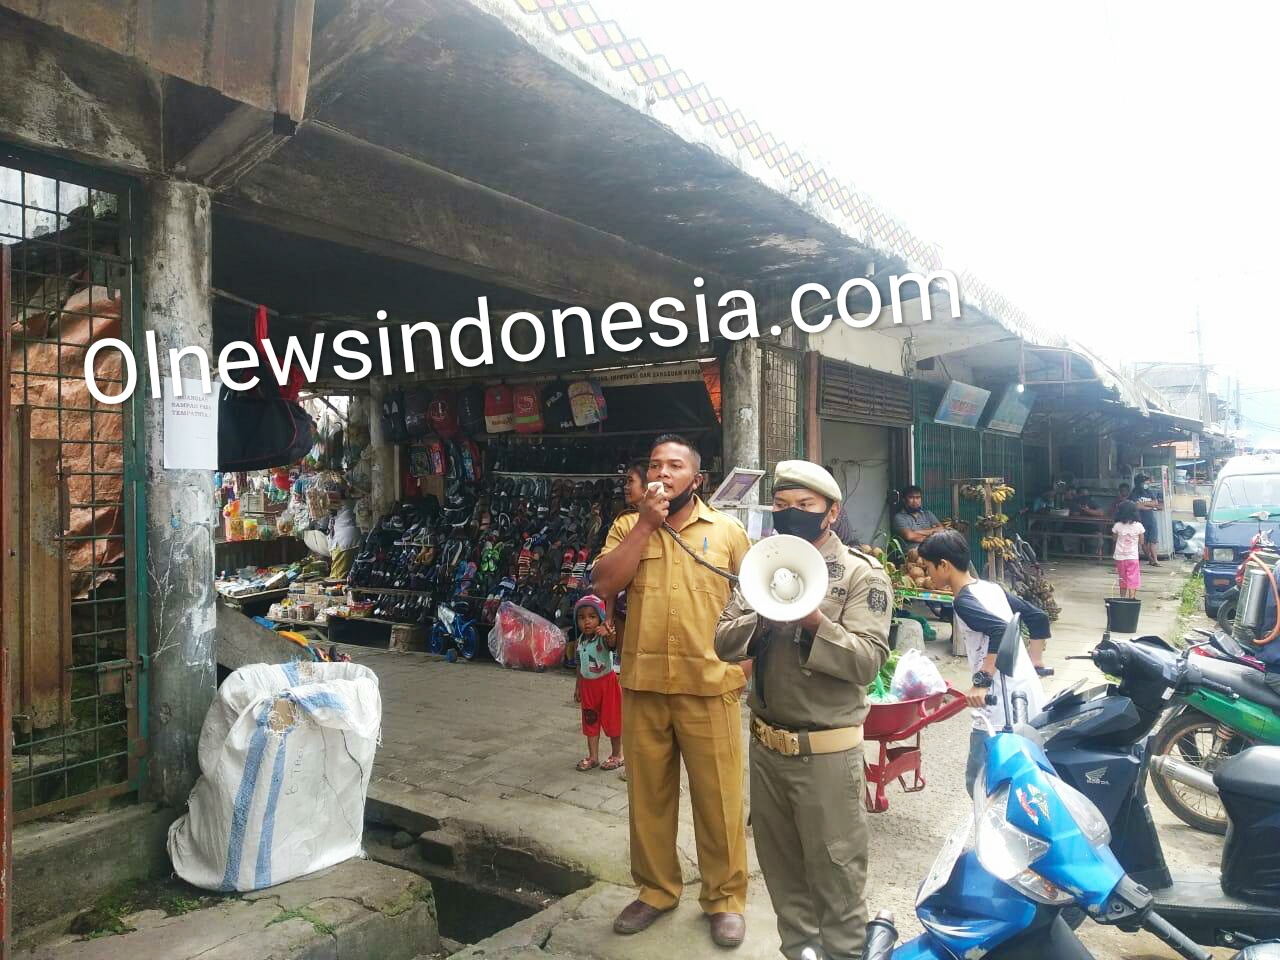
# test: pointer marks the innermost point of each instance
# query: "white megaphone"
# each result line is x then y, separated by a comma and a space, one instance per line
784, 578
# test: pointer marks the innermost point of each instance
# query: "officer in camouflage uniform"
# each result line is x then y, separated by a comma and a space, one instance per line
808, 702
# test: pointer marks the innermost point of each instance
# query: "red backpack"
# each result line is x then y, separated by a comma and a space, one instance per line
527, 404
497, 409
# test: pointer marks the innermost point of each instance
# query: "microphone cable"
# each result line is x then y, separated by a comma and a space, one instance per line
697, 559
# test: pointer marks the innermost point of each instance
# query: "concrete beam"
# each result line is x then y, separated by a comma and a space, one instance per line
332, 186
175, 272
249, 135
70, 97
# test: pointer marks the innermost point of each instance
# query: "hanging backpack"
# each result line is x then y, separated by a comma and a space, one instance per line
557, 411
471, 410
416, 403
527, 408
443, 414
472, 462
497, 409
393, 425
587, 400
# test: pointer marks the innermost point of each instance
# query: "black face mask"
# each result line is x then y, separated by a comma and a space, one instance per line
799, 523
680, 500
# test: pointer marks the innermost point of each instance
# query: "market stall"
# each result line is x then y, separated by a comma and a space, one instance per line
508, 489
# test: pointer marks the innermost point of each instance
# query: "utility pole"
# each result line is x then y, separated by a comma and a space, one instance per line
1204, 378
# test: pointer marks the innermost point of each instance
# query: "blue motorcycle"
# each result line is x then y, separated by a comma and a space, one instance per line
1041, 847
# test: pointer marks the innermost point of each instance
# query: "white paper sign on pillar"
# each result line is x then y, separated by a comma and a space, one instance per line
190, 427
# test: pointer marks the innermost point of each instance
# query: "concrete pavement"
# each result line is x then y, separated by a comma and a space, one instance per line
487, 755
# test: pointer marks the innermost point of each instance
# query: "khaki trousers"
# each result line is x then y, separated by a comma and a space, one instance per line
657, 730
810, 829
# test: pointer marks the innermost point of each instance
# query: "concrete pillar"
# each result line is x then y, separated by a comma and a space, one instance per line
740, 403
174, 263
383, 468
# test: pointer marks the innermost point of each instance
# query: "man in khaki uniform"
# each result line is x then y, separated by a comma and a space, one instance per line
808, 704
679, 699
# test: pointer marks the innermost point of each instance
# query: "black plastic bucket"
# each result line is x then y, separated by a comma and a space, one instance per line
1122, 614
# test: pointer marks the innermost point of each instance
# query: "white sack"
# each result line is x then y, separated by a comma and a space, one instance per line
286, 753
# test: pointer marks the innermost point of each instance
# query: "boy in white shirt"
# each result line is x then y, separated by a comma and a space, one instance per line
982, 611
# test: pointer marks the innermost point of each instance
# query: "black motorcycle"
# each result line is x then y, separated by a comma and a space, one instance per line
1098, 742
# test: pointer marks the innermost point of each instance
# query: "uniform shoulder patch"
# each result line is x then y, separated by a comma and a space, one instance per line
877, 599
866, 558
835, 570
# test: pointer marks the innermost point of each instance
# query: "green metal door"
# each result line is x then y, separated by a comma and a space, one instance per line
78, 695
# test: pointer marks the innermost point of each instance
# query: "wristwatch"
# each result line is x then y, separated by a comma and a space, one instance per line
982, 680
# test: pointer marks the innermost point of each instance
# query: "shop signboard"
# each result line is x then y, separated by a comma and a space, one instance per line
962, 405
1011, 412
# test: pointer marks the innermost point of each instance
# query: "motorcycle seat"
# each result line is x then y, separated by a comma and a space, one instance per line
1252, 773
1246, 681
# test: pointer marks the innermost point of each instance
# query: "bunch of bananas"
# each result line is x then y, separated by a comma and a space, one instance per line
1039, 591
992, 522
1000, 546
1002, 493
952, 524
971, 491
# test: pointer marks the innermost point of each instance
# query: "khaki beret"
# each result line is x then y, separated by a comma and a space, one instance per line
801, 474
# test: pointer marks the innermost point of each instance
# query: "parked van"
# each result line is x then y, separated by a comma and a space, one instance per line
1246, 487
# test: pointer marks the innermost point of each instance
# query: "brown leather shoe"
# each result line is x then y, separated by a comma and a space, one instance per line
636, 916
728, 929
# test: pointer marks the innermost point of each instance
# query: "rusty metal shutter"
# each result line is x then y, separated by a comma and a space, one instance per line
862, 395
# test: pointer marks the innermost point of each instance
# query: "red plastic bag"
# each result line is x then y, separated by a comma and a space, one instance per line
523, 640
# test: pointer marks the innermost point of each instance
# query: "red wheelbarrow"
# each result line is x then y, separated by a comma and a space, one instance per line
897, 723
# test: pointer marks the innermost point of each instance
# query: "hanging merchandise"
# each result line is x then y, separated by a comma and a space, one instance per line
587, 400
443, 414
498, 406
427, 458
471, 410
393, 425
468, 455
557, 410
417, 417
527, 405
260, 428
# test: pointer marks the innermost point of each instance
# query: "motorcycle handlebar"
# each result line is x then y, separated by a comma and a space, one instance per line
1155, 924
881, 936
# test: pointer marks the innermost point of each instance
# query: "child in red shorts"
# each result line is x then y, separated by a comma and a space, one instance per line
598, 687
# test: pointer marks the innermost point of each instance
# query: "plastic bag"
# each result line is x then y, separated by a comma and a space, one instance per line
286, 753
523, 640
916, 677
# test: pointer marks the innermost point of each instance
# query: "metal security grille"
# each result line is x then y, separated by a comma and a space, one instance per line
861, 395
779, 411
945, 453
1002, 456
73, 606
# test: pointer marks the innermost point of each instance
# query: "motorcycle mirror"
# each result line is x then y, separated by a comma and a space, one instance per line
1010, 643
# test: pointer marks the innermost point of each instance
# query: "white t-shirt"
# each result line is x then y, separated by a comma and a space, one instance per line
1127, 535
987, 608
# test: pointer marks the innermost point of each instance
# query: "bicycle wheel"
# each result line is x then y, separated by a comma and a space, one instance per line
470, 642
1202, 742
438, 640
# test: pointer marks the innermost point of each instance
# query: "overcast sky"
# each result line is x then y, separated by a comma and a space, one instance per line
1107, 166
